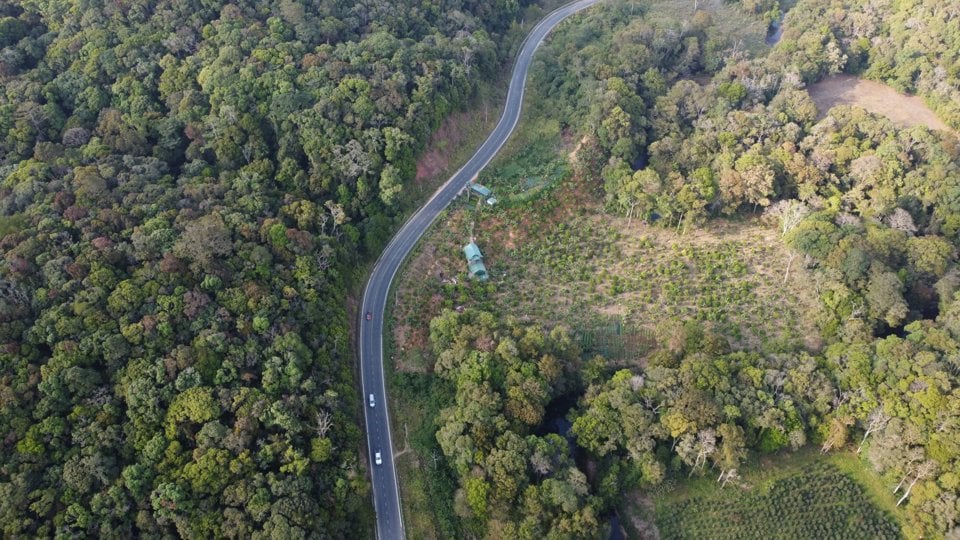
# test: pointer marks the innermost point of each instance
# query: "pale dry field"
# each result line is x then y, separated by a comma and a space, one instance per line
901, 109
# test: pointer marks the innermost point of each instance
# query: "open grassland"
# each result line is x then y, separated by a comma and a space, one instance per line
599, 267
592, 271
803, 495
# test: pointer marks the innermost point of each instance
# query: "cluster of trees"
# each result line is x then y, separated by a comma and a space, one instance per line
697, 407
911, 45
186, 191
870, 208
768, 9
899, 404
514, 483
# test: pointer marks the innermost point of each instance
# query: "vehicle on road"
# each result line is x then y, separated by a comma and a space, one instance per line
372, 402
377, 291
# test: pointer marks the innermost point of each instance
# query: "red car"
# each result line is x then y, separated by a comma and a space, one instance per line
369, 316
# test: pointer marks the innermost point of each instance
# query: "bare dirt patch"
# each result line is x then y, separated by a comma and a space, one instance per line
572, 155
435, 159
901, 109
455, 133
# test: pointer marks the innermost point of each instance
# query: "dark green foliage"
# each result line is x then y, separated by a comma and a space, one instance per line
513, 483
187, 190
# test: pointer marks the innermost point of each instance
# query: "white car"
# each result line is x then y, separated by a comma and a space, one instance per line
378, 459
373, 403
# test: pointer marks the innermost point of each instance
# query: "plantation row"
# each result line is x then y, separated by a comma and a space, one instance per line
820, 503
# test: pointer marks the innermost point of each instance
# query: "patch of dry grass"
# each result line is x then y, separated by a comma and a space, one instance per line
729, 20
903, 110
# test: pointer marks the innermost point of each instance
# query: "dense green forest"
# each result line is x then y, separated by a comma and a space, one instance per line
187, 192
682, 126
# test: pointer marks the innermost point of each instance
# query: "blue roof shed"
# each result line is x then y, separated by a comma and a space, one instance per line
480, 189
475, 261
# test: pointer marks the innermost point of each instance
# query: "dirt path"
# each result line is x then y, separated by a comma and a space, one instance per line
901, 109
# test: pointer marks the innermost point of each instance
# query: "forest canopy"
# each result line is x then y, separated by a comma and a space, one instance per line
187, 190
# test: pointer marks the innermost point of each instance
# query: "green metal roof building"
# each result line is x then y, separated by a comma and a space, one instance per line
475, 261
481, 190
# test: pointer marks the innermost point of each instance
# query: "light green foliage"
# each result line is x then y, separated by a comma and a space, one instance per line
195, 405
649, 275
615, 419
818, 502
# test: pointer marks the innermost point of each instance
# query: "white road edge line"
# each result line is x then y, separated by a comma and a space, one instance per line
575, 7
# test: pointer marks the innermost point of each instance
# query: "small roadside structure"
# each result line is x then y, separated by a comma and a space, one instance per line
483, 192
475, 261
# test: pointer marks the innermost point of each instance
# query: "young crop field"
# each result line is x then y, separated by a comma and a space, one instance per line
615, 283
592, 271
596, 268
729, 20
819, 502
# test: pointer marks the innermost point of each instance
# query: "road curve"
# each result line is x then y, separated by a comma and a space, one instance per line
386, 498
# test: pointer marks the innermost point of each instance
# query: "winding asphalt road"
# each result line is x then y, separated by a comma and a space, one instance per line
386, 496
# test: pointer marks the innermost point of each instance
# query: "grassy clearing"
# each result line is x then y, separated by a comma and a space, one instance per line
596, 267
539, 194
728, 20
801, 495
570, 264
426, 484
903, 110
